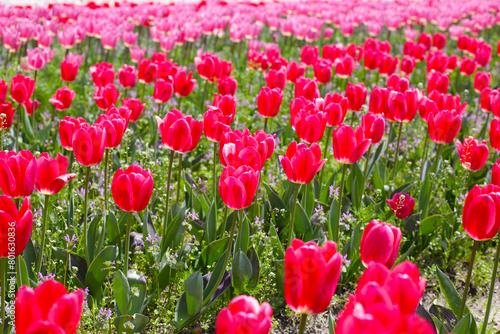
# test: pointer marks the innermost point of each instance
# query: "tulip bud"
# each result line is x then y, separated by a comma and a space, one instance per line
62, 99
17, 173
127, 76
132, 188
349, 145
356, 94
179, 133
237, 187
444, 126
380, 243
269, 101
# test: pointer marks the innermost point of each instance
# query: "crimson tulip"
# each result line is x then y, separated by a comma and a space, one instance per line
136, 108
301, 163
132, 188
237, 187
215, 124
309, 54
294, 71
184, 84
378, 100
335, 106
89, 142
48, 308
67, 127
467, 66
356, 94
495, 134
307, 88
401, 205
437, 81
439, 41
479, 216
115, 126
481, 81
323, 70
207, 66
106, 96
244, 315
226, 104
397, 83
473, 154
402, 107
444, 126
309, 124
276, 78
380, 243
344, 66
349, 145
448, 102
28, 106
148, 71
62, 99
21, 221
21, 88
427, 107
51, 174
163, 91
103, 74
4, 87
128, 76
269, 101
407, 65
227, 85
69, 70
495, 173
6, 115
17, 173
388, 65
373, 126
179, 133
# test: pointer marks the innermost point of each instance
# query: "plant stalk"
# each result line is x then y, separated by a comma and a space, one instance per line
169, 179
292, 220
127, 242
467, 281
85, 220
341, 194
44, 231
303, 322
492, 290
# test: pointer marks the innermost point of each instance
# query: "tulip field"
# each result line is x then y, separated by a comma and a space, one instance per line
325, 166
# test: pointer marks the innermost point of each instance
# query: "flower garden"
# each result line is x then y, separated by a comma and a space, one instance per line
250, 167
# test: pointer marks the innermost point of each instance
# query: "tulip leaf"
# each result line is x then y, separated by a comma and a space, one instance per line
302, 223
429, 224
405, 188
138, 283
331, 323
211, 253
74, 261
424, 196
138, 321
422, 312
166, 275
98, 272
448, 289
30, 258
274, 198
92, 237
211, 224
254, 260
374, 159
112, 229
308, 199
194, 293
121, 292
28, 130
243, 240
242, 271
217, 274
444, 315
279, 270
23, 272
467, 325
379, 176
278, 250
175, 229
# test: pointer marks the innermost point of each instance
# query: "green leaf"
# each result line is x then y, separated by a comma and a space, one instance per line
254, 260
243, 235
25, 280
278, 250
138, 321
121, 292
274, 198
97, 272
212, 252
467, 325
175, 229
92, 237
211, 225
429, 224
242, 271
138, 283
28, 129
217, 275
167, 274
379, 176
334, 221
374, 159
331, 323
448, 289
423, 197
302, 223
308, 200
112, 229
194, 293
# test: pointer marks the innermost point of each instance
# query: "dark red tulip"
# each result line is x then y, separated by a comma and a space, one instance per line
106, 96
89, 143
373, 126
6, 115
62, 99
444, 126
148, 71
380, 243
22, 223
163, 91
184, 84
349, 145
301, 163
132, 188
269, 101
128, 76
227, 85
356, 94
17, 173
472, 153
136, 107
21, 88
179, 133
237, 187
479, 217
51, 174
103, 74
401, 205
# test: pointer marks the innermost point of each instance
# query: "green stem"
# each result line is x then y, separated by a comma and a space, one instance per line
397, 150
70, 190
325, 153
341, 194
179, 103
438, 155
366, 164
85, 220
303, 322
292, 219
171, 160
179, 181
265, 124
1, 140
106, 180
155, 140
127, 242
18, 126
492, 289
3, 280
467, 281
353, 115
214, 174
44, 231
426, 143
34, 104
203, 97
19, 273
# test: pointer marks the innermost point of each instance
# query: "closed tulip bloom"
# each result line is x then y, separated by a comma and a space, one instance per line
335, 106
402, 107
207, 65
17, 173
237, 187
102, 74
380, 243
184, 83
215, 124
179, 133
6, 115
244, 315
28, 106
130, 38
311, 275
323, 70
106, 96
495, 173
437, 81
439, 41
309, 54
473, 154
301, 163
467, 66
148, 71
481, 81
89, 143
69, 70
378, 100
269, 101
276, 78
227, 85
356, 94
444, 126
62, 99
490, 100
51, 174
397, 83
123, 112
344, 66
137, 54
307, 88
407, 65
49, 308
373, 126
115, 126
309, 124
349, 145
448, 102
4, 87
226, 104
21, 88
21, 221
128, 76
294, 71
479, 218
136, 107
132, 188
426, 108
163, 91
37, 59
67, 127
401, 205
495, 134
388, 65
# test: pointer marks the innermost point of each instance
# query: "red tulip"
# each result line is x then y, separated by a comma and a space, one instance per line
439, 41
490, 101
323, 70
426, 40
307, 88
444, 126
215, 124
21, 88
184, 84
269, 101
309, 124
69, 70
51, 174
28, 106
372, 59
89, 143
21, 221
397, 83
301, 163
356, 94
378, 100
67, 126
128, 76
473, 154
132, 188
49, 308
37, 59
495, 173
62, 99
103, 74
237, 187
148, 71
106, 96
17, 173
373, 126
448, 102
227, 85
309, 55
179, 133
163, 91
123, 112
294, 71
467, 66
380, 243
407, 65
481, 81
135, 106
207, 65
344, 66
311, 275
388, 65
495, 134
115, 126
401, 205
335, 106
226, 104
437, 81
244, 315
426, 108
4, 87
349, 145
6, 115
276, 78
402, 107
479, 217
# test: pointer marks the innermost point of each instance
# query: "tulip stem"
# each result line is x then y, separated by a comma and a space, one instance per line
339, 210
18, 126
292, 219
1, 140
365, 172
106, 180
127, 241
70, 190
397, 151
44, 230
467, 281
438, 155
216, 148
3, 303
34, 104
492, 289
171, 160
265, 124
303, 322
203, 97
155, 140
19, 273
179, 103
179, 181
426, 142
85, 220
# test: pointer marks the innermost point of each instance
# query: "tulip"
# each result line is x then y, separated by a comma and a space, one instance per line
402, 107
344, 66
207, 66
106, 96
388, 65
349, 145
307, 88
439, 41
481, 81
148, 71
36, 59
115, 126
335, 106
495, 173
309, 124
309, 55
6, 117
467, 66
380, 243
136, 54
69, 70
244, 314
21, 221
130, 39
4, 87
237, 187
473, 154
103, 74
135, 106
401, 205
163, 91
294, 71
226, 104
448, 102
49, 308
29, 106
495, 134
301, 163
51, 174
127, 76
21, 88
437, 81
17, 173
356, 94
373, 126
62, 99
179, 133
227, 85
276, 78
269, 102
378, 100
184, 84
322, 71
215, 124
444, 126
397, 83
67, 127
407, 65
